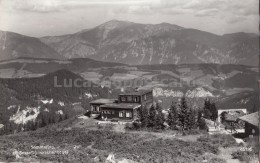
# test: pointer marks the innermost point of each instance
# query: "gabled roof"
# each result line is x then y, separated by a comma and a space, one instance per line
233, 116
121, 106
252, 118
103, 101
230, 117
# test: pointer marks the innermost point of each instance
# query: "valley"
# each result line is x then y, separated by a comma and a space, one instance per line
28, 86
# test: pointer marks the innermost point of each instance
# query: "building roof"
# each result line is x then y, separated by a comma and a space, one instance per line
230, 117
103, 101
121, 106
252, 118
138, 92
233, 116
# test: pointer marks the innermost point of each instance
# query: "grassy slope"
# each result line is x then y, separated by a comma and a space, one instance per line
94, 145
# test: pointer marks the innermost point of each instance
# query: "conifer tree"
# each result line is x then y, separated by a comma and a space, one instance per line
152, 116
200, 121
159, 119
184, 113
60, 118
214, 112
144, 117
192, 118
173, 116
207, 109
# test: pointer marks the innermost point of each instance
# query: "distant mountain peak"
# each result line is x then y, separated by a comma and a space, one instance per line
135, 43
118, 21
115, 23
170, 25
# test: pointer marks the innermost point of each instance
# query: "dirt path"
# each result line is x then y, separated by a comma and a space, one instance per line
225, 153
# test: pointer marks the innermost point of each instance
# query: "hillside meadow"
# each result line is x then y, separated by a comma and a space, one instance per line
59, 142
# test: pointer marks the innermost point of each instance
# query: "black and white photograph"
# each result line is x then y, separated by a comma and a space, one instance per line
129, 81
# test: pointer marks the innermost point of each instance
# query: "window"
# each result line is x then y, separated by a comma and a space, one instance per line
121, 114
123, 99
136, 99
105, 112
128, 114
129, 98
97, 108
144, 97
92, 108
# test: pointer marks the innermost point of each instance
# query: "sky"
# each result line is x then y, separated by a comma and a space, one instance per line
39, 18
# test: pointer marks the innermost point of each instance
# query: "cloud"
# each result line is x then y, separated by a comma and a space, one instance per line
207, 12
204, 4
236, 19
63, 5
33, 5
134, 9
246, 11
199, 8
174, 11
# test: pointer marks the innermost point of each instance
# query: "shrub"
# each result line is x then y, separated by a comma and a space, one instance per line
219, 140
194, 132
140, 148
242, 156
217, 160
249, 152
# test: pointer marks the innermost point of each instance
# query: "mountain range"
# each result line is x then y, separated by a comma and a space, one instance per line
137, 44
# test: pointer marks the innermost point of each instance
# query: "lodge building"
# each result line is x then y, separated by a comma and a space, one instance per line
251, 124
125, 107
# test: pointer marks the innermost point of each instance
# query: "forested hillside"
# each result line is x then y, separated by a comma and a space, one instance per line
37, 101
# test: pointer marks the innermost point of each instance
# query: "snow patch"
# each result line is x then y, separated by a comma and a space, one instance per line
22, 117
61, 103
168, 93
76, 103
198, 92
110, 158
59, 112
245, 101
47, 101
89, 95
47, 110
11, 107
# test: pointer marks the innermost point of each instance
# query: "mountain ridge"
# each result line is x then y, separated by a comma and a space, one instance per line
14, 45
138, 44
